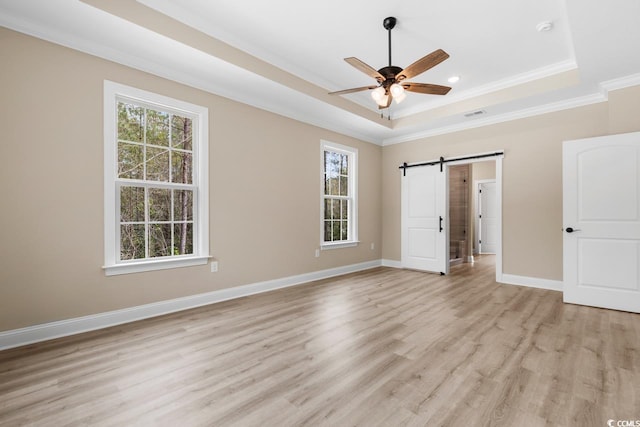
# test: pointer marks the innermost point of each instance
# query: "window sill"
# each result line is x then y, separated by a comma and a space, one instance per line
326, 246
161, 264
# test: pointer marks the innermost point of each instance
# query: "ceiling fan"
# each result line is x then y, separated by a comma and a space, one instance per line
392, 80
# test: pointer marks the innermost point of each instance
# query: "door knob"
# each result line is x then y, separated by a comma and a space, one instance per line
571, 230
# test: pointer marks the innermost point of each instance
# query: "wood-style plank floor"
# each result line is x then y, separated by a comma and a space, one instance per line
384, 347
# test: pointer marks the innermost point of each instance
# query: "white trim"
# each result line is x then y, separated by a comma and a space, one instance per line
508, 83
391, 263
352, 154
620, 83
62, 328
200, 116
180, 76
499, 252
47, 331
171, 73
581, 101
532, 282
156, 264
338, 245
507, 117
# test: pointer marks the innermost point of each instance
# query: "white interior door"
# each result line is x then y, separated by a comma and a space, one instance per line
601, 215
488, 218
424, 226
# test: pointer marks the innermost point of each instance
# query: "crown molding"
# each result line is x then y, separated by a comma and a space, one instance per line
162, 70
594, 98
620, 83
352, 126
507, 117
519, 79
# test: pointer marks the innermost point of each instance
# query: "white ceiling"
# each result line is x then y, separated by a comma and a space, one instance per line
285, 55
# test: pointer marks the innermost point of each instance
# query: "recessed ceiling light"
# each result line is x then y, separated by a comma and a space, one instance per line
544, 26
453, 79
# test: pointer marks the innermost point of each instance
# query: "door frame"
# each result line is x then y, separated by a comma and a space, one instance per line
498, 160
476, 202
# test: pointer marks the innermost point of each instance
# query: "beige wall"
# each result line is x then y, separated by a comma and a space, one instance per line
624, 105
264, 213
532, 182
264, 191
484, 170
532, 176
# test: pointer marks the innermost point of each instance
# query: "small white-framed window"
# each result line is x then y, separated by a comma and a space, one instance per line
339, 201
155, 181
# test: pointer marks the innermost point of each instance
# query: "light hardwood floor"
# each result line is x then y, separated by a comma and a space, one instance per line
384, 347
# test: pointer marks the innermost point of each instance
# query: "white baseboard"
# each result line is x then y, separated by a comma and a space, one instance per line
531, 282
62, 328
391, 263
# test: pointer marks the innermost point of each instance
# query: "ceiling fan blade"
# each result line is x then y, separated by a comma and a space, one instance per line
423, 64
355, 89
426, 88
365, 68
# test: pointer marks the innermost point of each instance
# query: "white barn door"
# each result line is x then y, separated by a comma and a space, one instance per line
601, 216
424, 226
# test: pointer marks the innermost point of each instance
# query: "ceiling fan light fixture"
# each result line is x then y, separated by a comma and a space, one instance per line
378, 94
400, 97
391, 81
383, 101
396, 90
398, 93
453, 79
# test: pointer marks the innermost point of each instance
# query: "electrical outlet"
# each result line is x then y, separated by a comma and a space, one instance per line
373, 246
317, 253
214, 266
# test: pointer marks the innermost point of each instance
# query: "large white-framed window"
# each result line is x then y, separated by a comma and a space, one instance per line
156, 209
339, 201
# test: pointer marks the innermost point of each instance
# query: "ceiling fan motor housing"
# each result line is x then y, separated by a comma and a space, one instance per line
389, 74
389, 23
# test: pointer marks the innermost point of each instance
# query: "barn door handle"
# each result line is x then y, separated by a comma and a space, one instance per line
571, 230
441, 225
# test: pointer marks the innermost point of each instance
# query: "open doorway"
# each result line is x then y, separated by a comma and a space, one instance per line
425, 222
484, 208
459, 214
467, 205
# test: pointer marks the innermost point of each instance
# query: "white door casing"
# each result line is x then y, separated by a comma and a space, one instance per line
487, 217
424, 225
601, 222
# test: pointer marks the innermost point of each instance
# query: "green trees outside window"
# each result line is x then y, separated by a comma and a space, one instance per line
337, 197
155, 182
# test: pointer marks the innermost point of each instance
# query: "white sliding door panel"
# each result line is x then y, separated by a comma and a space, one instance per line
423, 223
